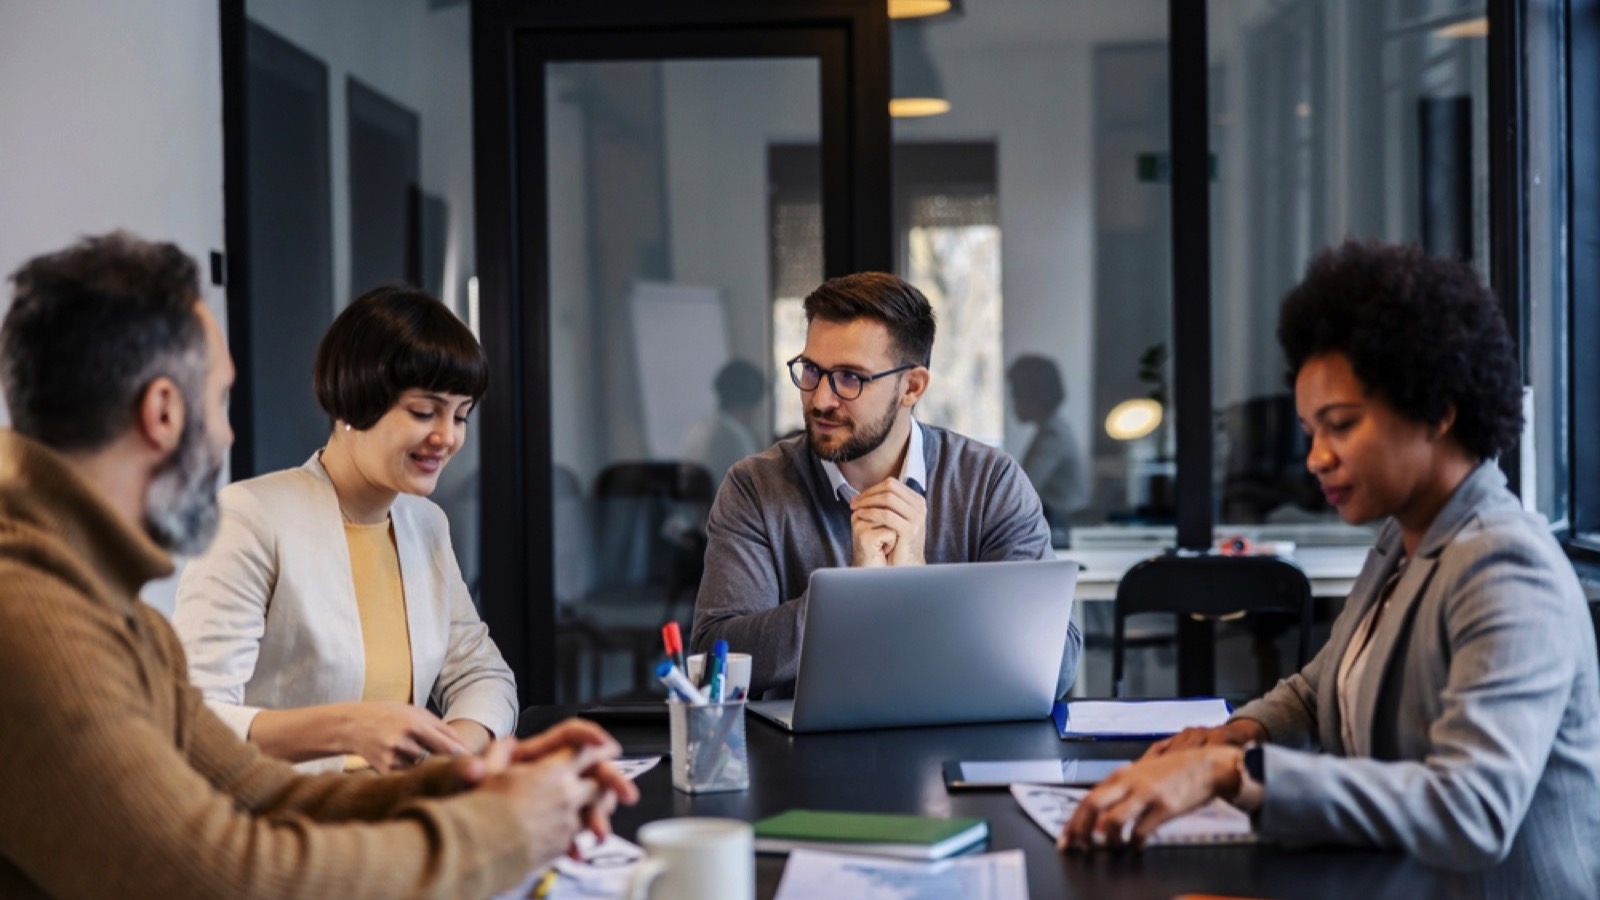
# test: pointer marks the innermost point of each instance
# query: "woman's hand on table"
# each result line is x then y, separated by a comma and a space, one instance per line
392, 735
1237, 733
1132, 802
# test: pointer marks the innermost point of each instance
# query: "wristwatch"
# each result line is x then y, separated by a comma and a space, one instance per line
1255, 764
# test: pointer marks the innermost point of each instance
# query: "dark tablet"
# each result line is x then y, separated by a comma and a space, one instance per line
652, 712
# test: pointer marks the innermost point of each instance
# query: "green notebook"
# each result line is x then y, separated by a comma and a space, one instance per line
908, 837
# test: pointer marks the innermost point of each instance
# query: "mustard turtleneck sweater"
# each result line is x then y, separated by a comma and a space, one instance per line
118, 781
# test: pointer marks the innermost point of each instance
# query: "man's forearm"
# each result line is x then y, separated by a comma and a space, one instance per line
770, 636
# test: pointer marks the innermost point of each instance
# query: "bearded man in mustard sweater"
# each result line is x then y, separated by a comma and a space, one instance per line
118, 778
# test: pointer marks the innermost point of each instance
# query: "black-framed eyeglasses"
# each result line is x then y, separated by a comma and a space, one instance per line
847, 385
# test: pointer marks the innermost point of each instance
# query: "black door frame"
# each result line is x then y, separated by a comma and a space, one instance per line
511, 42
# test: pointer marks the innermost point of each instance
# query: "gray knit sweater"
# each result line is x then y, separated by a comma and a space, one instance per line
776, 519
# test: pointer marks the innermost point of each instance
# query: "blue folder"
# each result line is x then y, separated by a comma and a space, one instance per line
1061, 713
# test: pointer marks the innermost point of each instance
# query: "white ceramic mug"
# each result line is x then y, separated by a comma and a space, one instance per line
696, 859
738, 672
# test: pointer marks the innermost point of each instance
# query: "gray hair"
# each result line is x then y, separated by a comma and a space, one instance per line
90, 327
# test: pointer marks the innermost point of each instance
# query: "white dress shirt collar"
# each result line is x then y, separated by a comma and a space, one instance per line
914, 471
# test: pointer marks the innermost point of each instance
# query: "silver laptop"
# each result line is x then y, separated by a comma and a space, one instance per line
929, 645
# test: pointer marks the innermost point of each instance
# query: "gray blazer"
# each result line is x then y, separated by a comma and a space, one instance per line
1480, 732
268, 614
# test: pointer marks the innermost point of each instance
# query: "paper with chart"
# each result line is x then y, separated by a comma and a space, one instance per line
1215, 823
987, 876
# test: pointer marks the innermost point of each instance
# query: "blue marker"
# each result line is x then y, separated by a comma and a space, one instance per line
717, 685
679, 684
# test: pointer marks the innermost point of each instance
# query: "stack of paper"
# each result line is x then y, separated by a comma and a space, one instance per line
1136, 719
989, 876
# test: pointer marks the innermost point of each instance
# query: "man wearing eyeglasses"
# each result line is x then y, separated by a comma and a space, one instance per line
865, 485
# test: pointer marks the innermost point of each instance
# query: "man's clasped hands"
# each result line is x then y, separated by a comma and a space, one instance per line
558, 783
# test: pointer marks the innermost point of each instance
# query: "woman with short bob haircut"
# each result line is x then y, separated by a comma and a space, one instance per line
330, 610
1454, 713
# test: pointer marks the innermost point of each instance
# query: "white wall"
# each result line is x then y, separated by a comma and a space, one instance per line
113, 119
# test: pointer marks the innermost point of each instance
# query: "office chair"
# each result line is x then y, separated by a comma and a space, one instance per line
577, 641
649, 553
1209, 588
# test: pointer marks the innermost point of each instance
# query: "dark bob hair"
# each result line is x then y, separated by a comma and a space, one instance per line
386, 342
1421, 331
882, 297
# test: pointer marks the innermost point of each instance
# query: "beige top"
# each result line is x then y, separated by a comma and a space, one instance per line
1353, 665
119, 779
381, 603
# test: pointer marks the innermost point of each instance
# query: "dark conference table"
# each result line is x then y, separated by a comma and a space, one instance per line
901, 771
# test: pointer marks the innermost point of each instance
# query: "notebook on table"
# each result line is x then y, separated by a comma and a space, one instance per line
874, 834
1216, 822
929, 645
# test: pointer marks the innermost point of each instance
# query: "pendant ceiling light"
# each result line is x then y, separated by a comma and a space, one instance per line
916, 89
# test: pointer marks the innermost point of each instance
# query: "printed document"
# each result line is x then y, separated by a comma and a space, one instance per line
1140, 718
604, 872
987, 876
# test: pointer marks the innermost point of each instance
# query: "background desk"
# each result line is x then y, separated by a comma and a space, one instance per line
1332, 570
900, 771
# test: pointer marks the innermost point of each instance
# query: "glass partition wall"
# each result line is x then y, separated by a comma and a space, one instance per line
662, 334
1034, 212
686, 199
1330, 119
686, 203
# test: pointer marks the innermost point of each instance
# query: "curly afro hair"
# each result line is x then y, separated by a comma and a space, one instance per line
1423, 332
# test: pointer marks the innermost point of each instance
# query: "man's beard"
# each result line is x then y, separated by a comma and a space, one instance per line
181, 504
863, 438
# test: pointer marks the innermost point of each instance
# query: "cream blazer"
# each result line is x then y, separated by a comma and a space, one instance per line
268, 615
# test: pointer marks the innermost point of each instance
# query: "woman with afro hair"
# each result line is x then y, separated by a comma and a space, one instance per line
1454, 713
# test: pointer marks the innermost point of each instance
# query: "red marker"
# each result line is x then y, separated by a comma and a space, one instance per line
673, 638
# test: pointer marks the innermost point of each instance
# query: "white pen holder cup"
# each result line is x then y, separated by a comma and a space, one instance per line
709, 753
695, 859
738, 673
